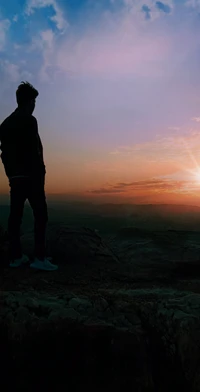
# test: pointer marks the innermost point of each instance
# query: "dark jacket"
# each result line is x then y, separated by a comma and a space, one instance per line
22, 151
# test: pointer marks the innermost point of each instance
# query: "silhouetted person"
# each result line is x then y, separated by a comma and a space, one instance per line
22, 157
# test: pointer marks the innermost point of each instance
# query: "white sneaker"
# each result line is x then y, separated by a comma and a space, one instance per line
45, 265
18, 262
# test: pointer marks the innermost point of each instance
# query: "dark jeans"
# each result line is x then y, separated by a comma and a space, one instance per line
33, 190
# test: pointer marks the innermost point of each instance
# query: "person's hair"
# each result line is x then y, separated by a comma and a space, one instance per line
25, 93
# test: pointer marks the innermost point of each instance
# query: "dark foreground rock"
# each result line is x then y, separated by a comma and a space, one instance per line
104, 323
63, 354
72, 245
51, 343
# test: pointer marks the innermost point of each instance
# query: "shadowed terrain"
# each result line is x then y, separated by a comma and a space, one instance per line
124, 305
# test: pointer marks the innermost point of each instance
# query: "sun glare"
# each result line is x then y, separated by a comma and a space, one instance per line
197, 175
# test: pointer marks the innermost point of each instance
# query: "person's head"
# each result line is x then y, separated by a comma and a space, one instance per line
26, 95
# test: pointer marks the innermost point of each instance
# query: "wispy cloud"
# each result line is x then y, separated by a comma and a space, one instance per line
147, 12
58, 18
195, 4
14, 72
174, 128
126, 50
101, 191
153, 185
44, 43
120, 43
15, 18
4, 26
150, 8
196, 119
43, 40
163, 7
16, 46
164, 148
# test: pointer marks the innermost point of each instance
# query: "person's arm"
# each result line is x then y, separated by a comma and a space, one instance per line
36, 147
1, 137
8, 145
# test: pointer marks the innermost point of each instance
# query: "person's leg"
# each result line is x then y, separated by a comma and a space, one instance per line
37, 200
18, 189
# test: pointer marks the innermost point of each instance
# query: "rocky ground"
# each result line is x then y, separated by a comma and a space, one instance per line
121, 312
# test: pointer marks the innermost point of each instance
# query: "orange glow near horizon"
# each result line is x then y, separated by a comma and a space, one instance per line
152, 172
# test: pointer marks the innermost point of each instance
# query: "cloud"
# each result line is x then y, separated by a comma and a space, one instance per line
154, 185
150, 8
13, 71
26, 75
196, 119
4, 26
116, 45
17, 46
47, 38
103, 191
151, 12
195, 4
44, 42
174, 128
58, 18
173, 150
122, 42
15, 18
163, 7
147, 12
127, 50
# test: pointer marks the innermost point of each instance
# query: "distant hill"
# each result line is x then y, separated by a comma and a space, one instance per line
166, 208
108, 218
147, 207
168, 216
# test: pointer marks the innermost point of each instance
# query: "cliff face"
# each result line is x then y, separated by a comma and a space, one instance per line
103, 321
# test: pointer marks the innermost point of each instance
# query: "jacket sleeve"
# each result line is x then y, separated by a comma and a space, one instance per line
36, 148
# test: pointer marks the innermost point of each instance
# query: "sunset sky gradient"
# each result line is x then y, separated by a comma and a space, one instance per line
119, 95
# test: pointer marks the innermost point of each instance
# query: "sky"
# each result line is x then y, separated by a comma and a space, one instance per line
118, 109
